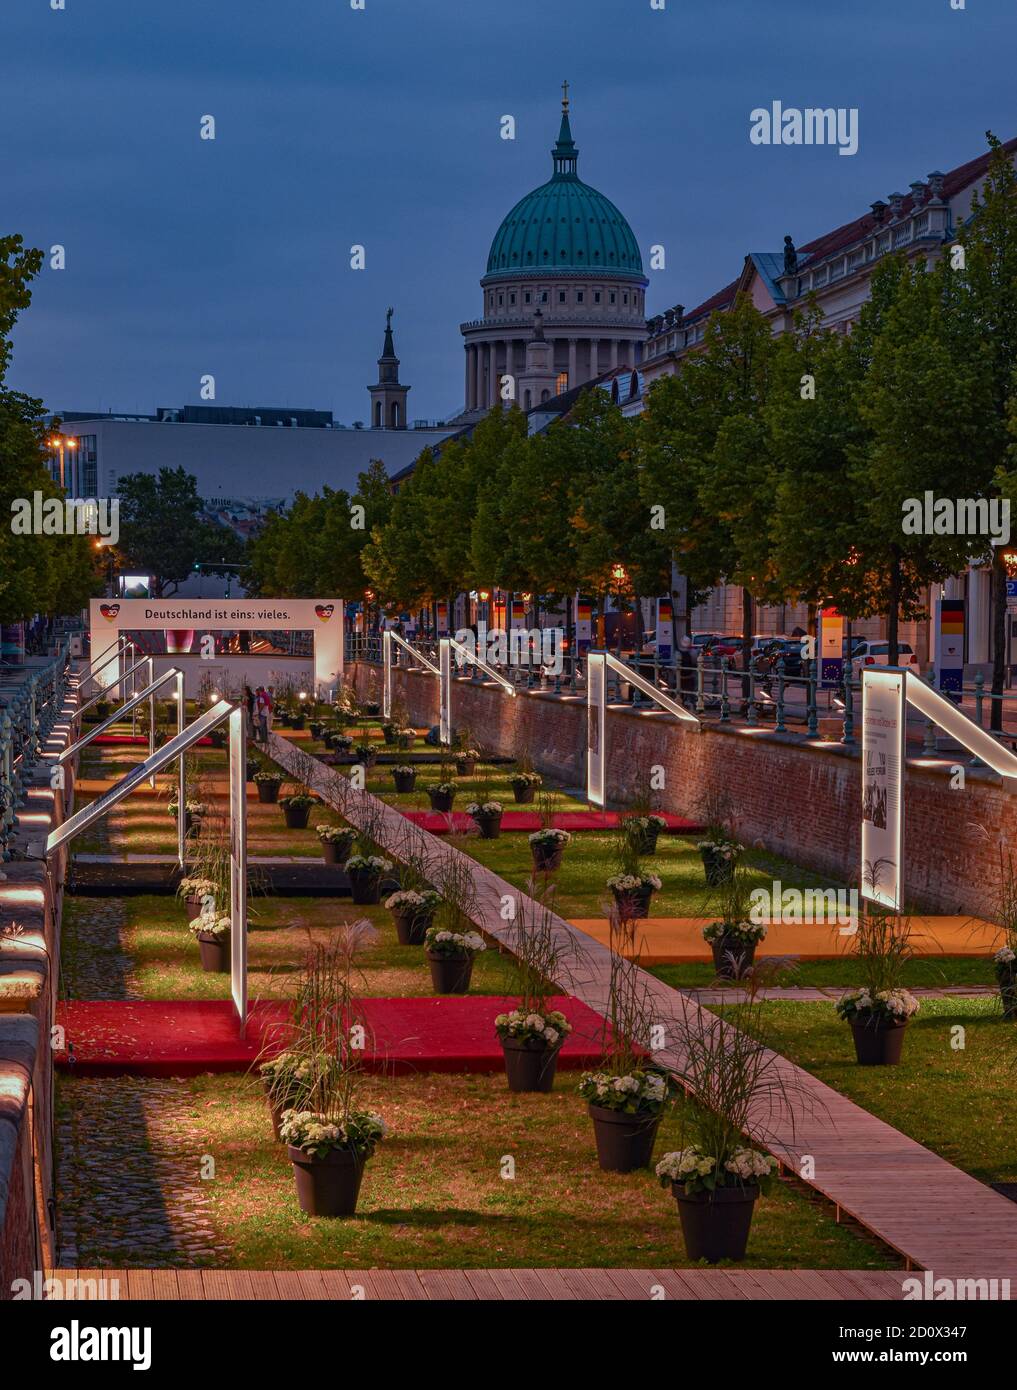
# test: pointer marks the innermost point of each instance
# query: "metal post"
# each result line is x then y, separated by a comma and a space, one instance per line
849, 718
751, 715
700, 684
979, 703
779, 726
725, 710
929, 741
811, 712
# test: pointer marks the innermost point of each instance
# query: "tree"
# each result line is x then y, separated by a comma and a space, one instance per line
163, 532
51, 574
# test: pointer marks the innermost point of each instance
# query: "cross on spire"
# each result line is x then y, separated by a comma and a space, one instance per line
565, 96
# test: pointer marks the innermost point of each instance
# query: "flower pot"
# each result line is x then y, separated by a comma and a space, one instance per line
450, 974
715, 1225
732, 957
523, 795
327, 1186
192, 825
878, 1044
102, 710
411, 926
268, 792
635, 903
193, 906
465, 767
315, 727
645, 841
404, 781
365, 886
624, 1142
328, 739
277, 1105
388, 735
528, 1066
547, 858
215, 954
296, 817
335, 852
718, 869
441, 801
489, 826
372, 708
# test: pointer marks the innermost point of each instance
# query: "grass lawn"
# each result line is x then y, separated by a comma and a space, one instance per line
434, 1194
930, 972
956, 1101
167, 964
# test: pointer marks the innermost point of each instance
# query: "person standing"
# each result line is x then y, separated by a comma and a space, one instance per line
249, 706
261, 715
270, 708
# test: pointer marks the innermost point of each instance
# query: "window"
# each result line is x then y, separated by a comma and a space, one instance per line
543, 296
562, 384
625, 299
526, 297
561, 296
596, 296
579, 296
614, 297
501, 300
512, 299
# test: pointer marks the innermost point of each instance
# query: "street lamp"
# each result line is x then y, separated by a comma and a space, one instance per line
107, 545
62, 442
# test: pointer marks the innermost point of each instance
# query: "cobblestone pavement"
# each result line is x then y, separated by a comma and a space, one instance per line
94, 963
129, 1184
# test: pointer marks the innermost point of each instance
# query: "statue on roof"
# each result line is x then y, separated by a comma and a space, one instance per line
790, 256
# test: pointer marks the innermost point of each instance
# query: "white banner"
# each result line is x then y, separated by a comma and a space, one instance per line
883, 726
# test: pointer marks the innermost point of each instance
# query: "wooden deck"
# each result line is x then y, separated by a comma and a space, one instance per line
481, 1285
933, 1214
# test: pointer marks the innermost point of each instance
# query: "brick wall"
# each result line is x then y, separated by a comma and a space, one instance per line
791, 797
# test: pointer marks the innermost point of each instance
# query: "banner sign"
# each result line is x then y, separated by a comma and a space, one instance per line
518, 613
831, 647
323, 618
596, 687
584, 624
883, 726
441, 609
950, 646
665, 630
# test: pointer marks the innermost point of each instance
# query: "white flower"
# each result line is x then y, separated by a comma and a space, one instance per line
551, 1035
1004, 956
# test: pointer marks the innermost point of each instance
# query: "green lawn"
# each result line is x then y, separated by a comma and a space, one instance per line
434, 1194
957, 1101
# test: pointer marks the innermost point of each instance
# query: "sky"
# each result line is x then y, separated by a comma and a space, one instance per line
381, 127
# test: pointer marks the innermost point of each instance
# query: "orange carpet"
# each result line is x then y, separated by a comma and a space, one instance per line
679, 941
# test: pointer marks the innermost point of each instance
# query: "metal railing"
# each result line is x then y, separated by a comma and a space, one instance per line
30, 700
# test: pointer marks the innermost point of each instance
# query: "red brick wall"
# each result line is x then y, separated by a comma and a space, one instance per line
795, 799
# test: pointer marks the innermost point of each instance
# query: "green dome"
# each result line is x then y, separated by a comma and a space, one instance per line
565, 225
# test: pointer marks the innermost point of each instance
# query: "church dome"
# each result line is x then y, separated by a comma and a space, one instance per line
565, 226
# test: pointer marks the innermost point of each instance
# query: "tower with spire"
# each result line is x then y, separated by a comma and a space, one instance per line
388, 395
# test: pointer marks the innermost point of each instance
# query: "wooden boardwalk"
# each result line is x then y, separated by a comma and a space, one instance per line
481, 1285
933, 1214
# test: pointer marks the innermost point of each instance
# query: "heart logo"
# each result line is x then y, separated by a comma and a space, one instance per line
109, 610
324, 611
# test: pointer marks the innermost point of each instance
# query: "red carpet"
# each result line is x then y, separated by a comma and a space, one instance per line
437, 822
135, 741
187, 1037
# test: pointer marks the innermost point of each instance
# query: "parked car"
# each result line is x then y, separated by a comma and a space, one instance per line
770, 650
878, 654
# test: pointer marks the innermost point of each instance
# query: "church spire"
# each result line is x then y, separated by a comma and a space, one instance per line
565, 153
388, 394
388, 349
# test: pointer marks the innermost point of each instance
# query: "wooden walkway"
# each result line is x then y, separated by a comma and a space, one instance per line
481, 1285
933, 1214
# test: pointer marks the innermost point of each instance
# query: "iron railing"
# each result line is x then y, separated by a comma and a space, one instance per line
30, 701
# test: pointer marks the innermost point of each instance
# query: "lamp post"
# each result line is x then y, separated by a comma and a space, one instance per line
105, 545
62, 442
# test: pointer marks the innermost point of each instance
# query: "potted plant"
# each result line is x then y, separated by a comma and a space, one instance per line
253, 768
625, 1109
716, 1196
388, 731
1005, 965
364, 753
877, 1023
285, 1078
547, 847
413, 913
466, 760
404, 737
213, 937
296, 810
733, 944
102, 709
316, 728
194, 812
365, 872
633, 891
487, 816
450, 955
719, 856
531, 1042
268, 784
405, 777
328, 1157
644, 831
336, 842
533, 1033
442, 795
524, 786
198, 895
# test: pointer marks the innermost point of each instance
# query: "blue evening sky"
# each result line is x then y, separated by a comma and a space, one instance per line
381, 127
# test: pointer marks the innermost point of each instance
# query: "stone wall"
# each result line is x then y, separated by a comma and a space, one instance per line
794, 797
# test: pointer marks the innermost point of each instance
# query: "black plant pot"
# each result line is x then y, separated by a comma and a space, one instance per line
315, 727
215, 954
297, 722
718, 869
489, 826
365, 886
388, 735
450, 974
404, 781
547, 858
732, 957
465, 767
296, 817
335, 852
328, 1186
441, 801
716, 1224
268, 792
529, 1066
102, 711
880, 1045
624, 1142
633, 904
372, 709
411, 927
523, 795
644, 841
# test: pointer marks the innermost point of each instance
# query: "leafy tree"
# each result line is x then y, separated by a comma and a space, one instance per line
163, 532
